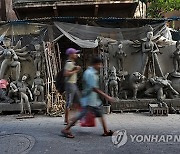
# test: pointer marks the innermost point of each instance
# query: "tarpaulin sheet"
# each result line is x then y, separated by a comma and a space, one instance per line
86, 36
30, 33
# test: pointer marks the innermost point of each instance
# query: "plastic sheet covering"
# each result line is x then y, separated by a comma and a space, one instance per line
30, 33
82, 42
85, 36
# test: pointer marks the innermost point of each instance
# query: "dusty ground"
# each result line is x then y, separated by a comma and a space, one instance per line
41, 135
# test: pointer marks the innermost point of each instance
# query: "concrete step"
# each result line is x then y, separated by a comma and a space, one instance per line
17, 106
141, 104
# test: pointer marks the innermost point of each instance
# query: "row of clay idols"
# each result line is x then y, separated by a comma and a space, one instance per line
19, 91
150, 52
155, 87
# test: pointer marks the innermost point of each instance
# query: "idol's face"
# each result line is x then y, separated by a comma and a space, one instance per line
38, 73
24, 77
37, 46
120, 46
150, 35
7, 43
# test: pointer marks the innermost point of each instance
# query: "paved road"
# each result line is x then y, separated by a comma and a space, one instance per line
41, 135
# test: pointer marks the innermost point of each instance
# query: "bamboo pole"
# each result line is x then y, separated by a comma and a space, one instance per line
59, 56
55, 101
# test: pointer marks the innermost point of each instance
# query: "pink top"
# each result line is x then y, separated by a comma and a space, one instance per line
3, 84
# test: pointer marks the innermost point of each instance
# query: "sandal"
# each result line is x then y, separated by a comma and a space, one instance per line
65, 123
109, 133
67, 134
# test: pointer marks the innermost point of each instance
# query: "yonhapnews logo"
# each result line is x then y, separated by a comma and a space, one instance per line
120, 138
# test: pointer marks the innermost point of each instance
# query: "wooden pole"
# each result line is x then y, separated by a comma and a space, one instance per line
3, 10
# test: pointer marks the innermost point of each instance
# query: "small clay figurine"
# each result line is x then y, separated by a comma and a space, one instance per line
38, 88
176, 58
37, 55
113, 82
119, 55
22, 88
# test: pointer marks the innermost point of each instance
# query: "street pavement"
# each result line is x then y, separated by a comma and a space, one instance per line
41, 135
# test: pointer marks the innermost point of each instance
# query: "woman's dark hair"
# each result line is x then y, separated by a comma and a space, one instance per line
96, 60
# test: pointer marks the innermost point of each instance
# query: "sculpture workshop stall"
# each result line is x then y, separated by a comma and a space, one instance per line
140, 65
28, 66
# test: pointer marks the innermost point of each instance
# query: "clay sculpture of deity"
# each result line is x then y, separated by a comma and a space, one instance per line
137, 82
119, 55
176, 58
132, 84
150, 59
160, 85
149, 47
22, 88
37, 55
103, 43
10, 57
38, 88
113, 82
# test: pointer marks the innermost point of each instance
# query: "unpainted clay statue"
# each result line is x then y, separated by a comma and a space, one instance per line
11, 56
10, 59
176, 58
37, 55
103, 43
113, 82
38, 88
137, 82
119, 55
150, 58
159, 86
22, 88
